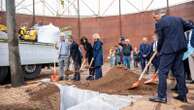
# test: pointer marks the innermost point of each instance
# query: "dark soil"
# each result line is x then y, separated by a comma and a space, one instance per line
118, 81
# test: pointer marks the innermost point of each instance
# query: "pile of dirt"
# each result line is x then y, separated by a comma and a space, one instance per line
118, 81
31, 97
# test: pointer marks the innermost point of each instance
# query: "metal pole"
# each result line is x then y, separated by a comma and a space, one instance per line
43, 7
120, 19
78, 20
167, 4
17, 76
1, 5
34, 17
68, 7
98, 7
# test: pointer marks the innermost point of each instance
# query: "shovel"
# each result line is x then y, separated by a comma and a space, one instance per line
152, 80
91, 65
137, 83
82, 65
54, 75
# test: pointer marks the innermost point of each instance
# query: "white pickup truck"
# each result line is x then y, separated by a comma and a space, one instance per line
34, 56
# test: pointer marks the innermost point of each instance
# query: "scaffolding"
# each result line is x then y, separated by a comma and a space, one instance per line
74, 8
88, 8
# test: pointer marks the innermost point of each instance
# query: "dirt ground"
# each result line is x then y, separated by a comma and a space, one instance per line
118, 81
30, 97
37, 95
34, 95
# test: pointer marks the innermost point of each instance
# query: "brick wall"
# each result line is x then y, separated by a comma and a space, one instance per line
134, 26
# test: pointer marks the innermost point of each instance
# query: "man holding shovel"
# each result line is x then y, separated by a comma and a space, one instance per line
63, 47
171, 46
76, 56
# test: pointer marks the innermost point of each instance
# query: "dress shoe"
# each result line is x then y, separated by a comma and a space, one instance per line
158, 99
180, 98
174, 89
90, 77
61, 78
192, 82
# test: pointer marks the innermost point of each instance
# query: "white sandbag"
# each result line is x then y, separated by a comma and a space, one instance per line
93, 104
48, 34
73, 98
3, 35
103, 102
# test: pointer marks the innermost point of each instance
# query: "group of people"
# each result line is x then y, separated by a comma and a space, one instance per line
173, 41
124, 54
121, 54
68, 49
175, 53
173, 48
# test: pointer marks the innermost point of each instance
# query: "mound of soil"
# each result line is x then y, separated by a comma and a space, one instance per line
118, 81
30, 97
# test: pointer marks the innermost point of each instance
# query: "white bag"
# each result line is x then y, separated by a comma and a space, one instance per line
48, 34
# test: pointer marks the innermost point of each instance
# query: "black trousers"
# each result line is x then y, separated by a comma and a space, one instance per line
171, 61
77, 71
187, 69
91, 69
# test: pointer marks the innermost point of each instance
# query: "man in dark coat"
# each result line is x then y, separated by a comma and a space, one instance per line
98, 56
127, 49
156, 60
145, 50
76, 56
171, 46
89, 55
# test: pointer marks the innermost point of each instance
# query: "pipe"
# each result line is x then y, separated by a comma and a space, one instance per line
34, 17
120, 19
78, 20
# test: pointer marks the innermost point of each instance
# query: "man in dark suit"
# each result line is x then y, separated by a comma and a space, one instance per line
76, 56
156, 60
145, 50
171, 46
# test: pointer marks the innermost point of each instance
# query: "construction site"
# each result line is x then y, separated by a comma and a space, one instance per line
36, 74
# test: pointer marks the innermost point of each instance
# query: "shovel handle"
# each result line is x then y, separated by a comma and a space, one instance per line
147, 65
91, 62
83, 64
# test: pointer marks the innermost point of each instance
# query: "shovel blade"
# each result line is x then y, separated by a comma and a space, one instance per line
135, 85
152, 80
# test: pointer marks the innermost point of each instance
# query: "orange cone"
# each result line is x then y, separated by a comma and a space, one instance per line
54, 75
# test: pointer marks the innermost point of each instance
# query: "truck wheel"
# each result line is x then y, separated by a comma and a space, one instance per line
31, 71
3, 74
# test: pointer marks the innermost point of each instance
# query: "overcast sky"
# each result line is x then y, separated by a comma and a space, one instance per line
89, 7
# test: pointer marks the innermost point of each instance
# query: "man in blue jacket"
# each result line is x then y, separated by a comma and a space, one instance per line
145, 50
171, 46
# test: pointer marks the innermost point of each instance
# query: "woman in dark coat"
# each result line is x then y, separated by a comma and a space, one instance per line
89, 55
76, 56
98, 55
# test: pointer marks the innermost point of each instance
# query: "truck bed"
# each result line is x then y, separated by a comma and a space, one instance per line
30, 53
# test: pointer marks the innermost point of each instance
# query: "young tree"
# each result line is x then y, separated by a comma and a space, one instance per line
17, 76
